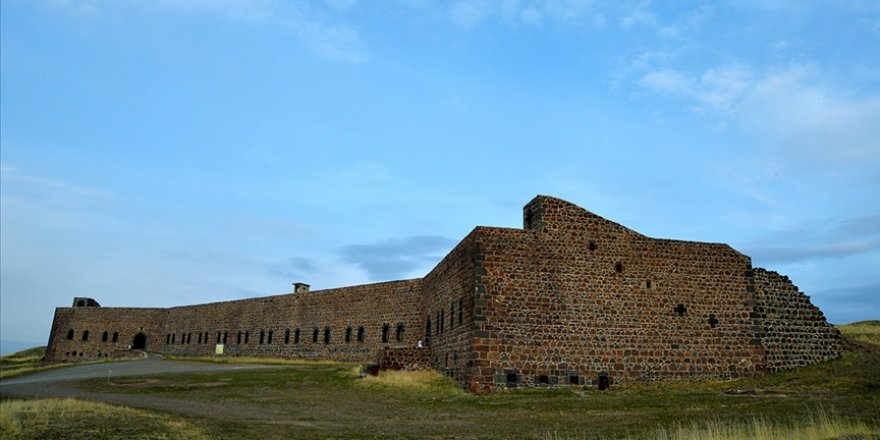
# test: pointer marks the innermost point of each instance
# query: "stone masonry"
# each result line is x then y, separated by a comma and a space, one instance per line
569, 299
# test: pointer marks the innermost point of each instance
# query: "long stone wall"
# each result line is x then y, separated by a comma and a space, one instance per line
569, 299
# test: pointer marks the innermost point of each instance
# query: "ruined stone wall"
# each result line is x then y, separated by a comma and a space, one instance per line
574, 295
111, 331
447, 310
795, 332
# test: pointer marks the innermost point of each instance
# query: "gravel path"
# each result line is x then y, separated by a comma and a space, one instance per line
63, 382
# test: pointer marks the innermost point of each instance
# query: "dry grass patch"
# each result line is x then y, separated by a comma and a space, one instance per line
862, 331
71, 419
417, 380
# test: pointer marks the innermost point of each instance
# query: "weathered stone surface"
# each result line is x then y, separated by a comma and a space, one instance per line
570, 298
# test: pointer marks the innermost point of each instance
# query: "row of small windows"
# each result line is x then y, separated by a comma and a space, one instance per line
267, 337
85, 336
456, 316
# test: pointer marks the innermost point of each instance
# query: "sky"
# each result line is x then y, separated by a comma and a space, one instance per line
169, 152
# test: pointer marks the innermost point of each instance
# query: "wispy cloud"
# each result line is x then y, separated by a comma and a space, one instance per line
397, 258
830, 239
13, 176
790, 106
328, 37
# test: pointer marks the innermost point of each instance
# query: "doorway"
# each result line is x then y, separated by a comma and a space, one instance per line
139, 342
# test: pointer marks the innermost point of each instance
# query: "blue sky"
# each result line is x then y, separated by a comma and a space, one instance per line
171, 152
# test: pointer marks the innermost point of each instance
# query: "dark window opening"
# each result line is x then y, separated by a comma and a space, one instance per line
347, 335
219, 336
361, 331
262, 337
269, 336
85, 335
315, 332
441, 321
189, 338
618, 267
205, 339
199, 341
648, 284
460, 313
287, 336
238, 338
115, 336
247, 335
105, 336
139, 342
713, 321
437, 330
80, 303
511, 379
452, 315
173, 338
225, 337
592, 245
385, 328
168, 339
574, 380
528, 219
327, 335
544, 379
296, 336
603, 382
681, 309
399, 333
70, 334
428, 331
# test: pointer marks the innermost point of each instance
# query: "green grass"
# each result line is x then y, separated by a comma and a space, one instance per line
300, 399
22, 362
862, 331
70, 419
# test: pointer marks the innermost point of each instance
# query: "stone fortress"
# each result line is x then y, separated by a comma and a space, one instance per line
569, 299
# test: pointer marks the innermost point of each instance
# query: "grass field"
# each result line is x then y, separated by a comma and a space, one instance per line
22, 362
838, 399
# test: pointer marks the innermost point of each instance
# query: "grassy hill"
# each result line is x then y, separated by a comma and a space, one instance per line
834, 400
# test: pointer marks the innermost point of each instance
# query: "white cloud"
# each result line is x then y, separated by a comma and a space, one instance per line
788, 107
640, 17
333, 40
466, 14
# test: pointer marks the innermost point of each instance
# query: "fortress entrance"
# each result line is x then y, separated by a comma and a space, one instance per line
139, 342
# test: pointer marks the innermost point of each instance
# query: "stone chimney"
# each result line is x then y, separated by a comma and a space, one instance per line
300, 287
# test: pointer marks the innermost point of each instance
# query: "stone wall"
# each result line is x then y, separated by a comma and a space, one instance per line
570, 299
574, 295
795, 332
447, 314
90, 333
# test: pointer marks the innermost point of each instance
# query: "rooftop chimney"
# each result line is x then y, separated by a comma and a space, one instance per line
300, 287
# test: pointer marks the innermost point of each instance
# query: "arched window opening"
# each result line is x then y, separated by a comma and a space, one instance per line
460, 313
139, 342
168, 339
296, 336
315, 332
105, 336
361, 332
262, 336
85, 335
225, 336
238, 338
428, 331
348, 334
247, 336
327, 335
385, 328
287, 336
219, 335
398, 335
115, 336
70, 334
269, 337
